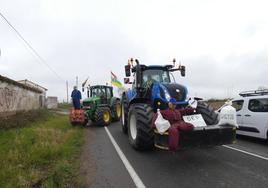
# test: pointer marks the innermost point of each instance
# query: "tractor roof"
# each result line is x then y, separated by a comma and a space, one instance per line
156, 67
100, 86
159, 66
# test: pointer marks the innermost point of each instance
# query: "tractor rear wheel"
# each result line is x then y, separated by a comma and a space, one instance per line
124, 114
102, 116
116, 110
140, 131
207, 112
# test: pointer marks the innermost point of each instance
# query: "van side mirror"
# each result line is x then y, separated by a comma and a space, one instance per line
127, 70
183, 71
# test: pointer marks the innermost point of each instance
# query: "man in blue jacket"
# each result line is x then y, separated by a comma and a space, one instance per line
76, 97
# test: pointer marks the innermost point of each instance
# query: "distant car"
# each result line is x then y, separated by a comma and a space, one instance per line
252, 113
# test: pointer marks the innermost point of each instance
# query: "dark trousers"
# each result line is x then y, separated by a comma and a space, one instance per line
76, 104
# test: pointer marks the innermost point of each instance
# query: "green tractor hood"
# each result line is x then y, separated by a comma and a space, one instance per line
90, 100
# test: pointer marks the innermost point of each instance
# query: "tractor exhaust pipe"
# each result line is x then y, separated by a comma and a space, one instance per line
138, 78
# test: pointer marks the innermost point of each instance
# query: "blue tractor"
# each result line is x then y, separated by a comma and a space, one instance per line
153, 88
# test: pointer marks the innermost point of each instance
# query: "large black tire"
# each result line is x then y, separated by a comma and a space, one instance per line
124, 114
140, 131
99, 116
116, 112
207, 112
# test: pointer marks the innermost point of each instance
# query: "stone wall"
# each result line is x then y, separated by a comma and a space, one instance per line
17, 97
52, 102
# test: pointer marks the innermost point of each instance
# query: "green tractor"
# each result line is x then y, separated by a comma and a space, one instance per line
101, 107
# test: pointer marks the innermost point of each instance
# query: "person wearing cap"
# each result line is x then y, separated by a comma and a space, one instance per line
76, 97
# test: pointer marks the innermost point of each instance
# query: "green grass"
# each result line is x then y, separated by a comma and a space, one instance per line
21, 119
66, 106
44, 153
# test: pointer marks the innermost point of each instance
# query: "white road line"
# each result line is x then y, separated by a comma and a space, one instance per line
136, 179
252, 154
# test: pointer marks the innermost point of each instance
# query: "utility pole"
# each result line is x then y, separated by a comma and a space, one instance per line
77, 81
67, 92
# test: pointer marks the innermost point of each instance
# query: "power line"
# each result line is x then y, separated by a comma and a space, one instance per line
29, 46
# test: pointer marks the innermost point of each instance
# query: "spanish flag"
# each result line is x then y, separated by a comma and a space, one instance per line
114, 81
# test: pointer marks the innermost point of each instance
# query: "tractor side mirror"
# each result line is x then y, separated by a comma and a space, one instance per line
183, 71
127, 70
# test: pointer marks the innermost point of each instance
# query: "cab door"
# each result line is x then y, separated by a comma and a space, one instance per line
239, 106
256, 117
241, 109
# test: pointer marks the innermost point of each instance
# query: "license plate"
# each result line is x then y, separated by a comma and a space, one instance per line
197, 120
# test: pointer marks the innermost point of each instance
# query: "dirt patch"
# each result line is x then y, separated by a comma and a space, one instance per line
88, 166
216, 105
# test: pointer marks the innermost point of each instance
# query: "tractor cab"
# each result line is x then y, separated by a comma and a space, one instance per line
156, 74
156, 85
104, 93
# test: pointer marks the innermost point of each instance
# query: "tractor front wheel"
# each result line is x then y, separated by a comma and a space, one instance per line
102, 116
116, 110
140, 132
124, 114
207, 112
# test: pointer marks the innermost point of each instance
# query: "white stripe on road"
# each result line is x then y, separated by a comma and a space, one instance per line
252, 154
136, 179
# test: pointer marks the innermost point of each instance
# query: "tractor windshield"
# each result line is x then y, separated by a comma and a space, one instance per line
97, 92
156, 75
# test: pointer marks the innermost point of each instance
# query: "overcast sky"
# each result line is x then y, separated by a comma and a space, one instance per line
223, 44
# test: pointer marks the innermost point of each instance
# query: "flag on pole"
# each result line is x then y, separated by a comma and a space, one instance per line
114, 81
84, 83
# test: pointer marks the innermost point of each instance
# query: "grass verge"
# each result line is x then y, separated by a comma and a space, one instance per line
66, 106
44, 153
23, 118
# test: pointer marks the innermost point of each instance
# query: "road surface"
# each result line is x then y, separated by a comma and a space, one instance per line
210, 167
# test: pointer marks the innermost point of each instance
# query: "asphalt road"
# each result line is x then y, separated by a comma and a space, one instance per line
209, 167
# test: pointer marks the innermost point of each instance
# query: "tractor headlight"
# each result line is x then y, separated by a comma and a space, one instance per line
167, 96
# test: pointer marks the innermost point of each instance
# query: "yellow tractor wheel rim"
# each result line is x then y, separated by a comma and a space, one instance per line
106, 116
118, 110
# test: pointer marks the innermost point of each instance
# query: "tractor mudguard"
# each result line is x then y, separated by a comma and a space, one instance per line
139, 100
130, 94
113, 99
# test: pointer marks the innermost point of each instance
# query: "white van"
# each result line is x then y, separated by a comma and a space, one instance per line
252, 113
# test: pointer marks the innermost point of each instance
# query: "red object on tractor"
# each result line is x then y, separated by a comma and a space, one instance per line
174, 116
77, 116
